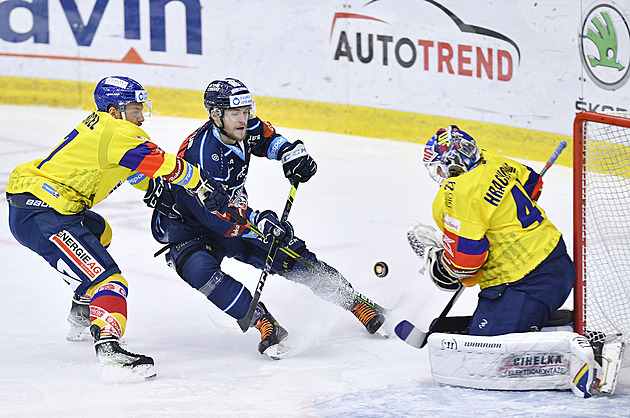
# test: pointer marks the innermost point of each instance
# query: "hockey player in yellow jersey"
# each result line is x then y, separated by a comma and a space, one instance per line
50, 201
492, 232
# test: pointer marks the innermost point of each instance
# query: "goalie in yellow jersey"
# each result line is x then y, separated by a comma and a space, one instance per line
492, 232
50, 203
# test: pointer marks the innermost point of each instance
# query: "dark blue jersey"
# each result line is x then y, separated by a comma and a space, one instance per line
227, 164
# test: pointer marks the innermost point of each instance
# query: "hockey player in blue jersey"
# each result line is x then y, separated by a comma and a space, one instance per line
199, 239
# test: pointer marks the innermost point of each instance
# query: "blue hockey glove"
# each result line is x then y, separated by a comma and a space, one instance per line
158, 196
210, 193
297, 164
268, 223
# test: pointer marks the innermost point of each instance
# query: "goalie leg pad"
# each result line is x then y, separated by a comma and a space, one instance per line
519, 361
582, 366
451, 325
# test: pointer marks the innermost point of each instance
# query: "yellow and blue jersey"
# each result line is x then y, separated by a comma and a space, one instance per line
493, 230
93, 160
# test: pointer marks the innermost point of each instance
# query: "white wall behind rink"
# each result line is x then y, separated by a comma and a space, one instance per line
514, 63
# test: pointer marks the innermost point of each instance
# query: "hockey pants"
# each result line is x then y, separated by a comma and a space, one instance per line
75, 245
528, 302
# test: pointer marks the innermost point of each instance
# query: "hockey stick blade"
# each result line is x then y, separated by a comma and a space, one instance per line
408, 332
418, 339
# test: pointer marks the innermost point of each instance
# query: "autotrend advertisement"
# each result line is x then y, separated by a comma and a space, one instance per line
519, 64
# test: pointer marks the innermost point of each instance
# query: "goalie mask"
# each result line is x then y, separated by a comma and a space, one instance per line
432, 158
450, 153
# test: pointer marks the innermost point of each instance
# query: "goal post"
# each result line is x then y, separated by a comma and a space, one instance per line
601, 230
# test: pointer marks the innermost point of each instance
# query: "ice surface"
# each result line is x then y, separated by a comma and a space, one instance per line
354, 212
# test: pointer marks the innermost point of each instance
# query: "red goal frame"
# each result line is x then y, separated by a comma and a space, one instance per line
579, 158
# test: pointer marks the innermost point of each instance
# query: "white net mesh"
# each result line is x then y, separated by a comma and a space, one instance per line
606, 228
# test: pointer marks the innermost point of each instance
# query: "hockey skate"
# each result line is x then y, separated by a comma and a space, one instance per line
118, 364
273, 337
79, 318
369, 317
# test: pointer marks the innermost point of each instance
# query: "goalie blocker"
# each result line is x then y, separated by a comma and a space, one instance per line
557, 360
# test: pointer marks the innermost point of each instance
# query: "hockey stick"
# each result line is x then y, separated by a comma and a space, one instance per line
245, 322
236, 216
411, 334
561, 146
243, 221
247, 224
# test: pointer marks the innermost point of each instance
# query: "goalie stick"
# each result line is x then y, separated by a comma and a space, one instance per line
413, 336
417, 338
561, 146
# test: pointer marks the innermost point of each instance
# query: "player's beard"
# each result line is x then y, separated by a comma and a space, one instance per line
235, 135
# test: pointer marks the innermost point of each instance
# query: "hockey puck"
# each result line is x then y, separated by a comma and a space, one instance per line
381, 269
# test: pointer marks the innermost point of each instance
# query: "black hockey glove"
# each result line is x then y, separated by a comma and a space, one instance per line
438, 272
158, 196
210, 193
297, 164
268, 223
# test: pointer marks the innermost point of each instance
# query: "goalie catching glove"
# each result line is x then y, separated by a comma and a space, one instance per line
297, 164
421, 236
426, 242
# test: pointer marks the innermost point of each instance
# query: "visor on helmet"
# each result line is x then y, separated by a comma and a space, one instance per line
145, 111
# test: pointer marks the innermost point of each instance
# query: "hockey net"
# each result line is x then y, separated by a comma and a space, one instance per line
601, 168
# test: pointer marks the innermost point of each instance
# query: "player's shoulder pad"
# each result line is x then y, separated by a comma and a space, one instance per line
254, 123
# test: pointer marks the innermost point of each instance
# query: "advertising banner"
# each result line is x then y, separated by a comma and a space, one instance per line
517, 65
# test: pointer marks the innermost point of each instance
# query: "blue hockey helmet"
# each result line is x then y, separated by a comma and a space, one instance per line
227, 93
449, 153
120, 91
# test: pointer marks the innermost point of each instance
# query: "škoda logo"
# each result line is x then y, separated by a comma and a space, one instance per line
605, 46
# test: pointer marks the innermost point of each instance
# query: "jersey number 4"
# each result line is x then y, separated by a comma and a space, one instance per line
526, 212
